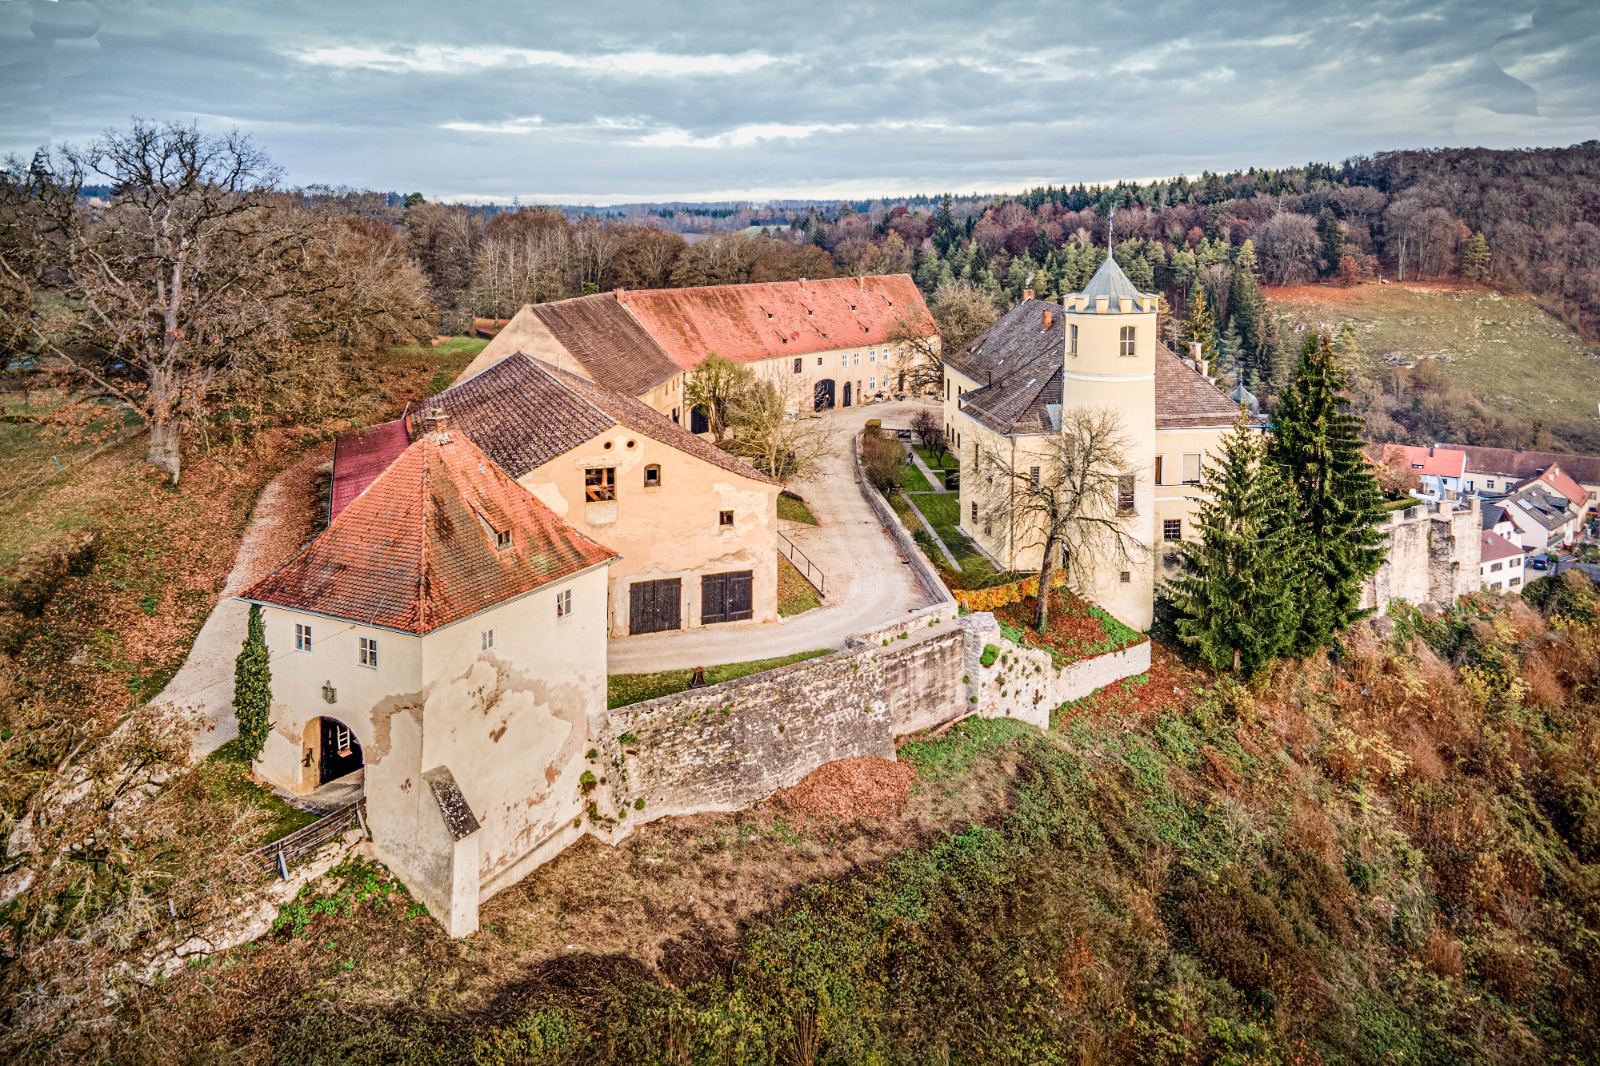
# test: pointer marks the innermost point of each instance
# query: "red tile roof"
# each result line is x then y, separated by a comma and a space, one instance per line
1514, 463
1186, 398
774, 319
1562, 482
1433, 462
417, 550
359, 457
1496, 547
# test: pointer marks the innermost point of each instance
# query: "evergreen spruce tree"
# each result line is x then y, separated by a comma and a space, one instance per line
1317, 442
1332, 237
1198, 326
252, 687
1284, 358
1475, 257
1247, 311
1236, 598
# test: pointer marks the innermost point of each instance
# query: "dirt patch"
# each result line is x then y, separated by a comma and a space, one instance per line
1170, 686
849, 789
1341, 294
1075, 631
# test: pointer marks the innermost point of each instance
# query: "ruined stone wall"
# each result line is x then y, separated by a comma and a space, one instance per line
732, 745
1025, 683
1432, 555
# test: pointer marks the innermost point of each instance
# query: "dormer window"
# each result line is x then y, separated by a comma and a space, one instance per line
502, 538
1127, 341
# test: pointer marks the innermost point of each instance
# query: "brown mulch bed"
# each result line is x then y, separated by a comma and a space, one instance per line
1074, 632
849, 789
1171, 686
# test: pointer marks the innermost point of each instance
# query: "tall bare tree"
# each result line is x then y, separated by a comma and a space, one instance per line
1068, 494
773, 428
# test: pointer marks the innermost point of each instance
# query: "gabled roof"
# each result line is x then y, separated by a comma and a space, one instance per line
417, 549
359, 457
773, 319
606, 342
1495, 547
1016, 338
1109, 281
1186, 398
1562, 483
524, 413
1541, 504
1431, 461
1510, 462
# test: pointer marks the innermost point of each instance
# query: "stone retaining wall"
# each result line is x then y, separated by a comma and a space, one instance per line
1025, 683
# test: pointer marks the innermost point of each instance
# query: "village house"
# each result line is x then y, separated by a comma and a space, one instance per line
1440, 472
1500, 563
1498, 471
444, 637
1006, 392
831, 343
1535, 517
696, 529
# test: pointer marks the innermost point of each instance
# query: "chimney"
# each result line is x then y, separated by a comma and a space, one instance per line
1027, 294
436, 420
1047, 317
1195, 351
861, 282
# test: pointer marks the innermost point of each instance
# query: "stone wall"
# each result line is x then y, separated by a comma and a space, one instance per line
1024, 683
1432, 554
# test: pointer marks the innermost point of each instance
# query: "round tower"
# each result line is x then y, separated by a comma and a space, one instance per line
1110, 362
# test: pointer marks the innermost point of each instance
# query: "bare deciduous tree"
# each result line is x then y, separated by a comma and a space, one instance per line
774, 430
1069, 496
929, 431
1288, 248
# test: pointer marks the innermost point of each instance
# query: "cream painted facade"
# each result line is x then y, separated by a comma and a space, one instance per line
493, 709
1096, 375
671, 528
1182, 456
850, 376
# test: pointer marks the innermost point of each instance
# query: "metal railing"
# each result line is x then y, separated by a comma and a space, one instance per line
813, 573
286, 851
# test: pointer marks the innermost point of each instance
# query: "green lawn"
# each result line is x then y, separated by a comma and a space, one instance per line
937, 460
623, 689
794, 509
228, 772
796, 595
943, 511
911, 479
1512, 354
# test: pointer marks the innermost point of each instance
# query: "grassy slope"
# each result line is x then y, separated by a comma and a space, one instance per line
1509, 352
623, 689
796, 595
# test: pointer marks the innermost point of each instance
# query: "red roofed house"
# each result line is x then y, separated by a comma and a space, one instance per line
1441, 471
446, 637
1562, 483
1497, 471
830, 343
1500, 563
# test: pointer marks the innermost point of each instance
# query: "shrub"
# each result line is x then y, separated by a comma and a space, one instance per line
990, 654
881, 460
252, 687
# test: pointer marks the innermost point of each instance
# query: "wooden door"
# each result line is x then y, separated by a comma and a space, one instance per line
654, 606
727, 597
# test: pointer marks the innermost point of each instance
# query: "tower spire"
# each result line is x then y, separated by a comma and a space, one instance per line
1111, 222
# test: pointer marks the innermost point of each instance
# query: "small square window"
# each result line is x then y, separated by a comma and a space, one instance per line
1172, 529
652, 476
502, 538
564, 603
486, 640
819, 360
302, 637
369, 652
1127, 577
1127, 341
725, 519
600, 484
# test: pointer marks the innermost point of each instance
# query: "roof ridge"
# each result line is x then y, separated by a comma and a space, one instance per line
550, 372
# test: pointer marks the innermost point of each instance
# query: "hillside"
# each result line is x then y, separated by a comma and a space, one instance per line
1506, 352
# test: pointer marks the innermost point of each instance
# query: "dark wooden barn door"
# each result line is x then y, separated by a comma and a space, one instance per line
653, 606
726, 597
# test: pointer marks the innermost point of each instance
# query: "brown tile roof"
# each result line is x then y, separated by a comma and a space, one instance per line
1496, 547
1016, 337
359, 457
609, 343
417, 550
1559, 480
1186, 398
524, 413
778, 318
1520, 464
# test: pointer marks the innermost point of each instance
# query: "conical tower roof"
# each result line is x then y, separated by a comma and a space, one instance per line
1109, 281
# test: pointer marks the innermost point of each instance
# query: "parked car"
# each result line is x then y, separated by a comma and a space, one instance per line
1539, 562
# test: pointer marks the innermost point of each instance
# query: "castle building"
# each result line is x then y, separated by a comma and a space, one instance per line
1009, 391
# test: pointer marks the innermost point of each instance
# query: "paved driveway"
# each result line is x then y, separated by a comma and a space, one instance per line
869, 581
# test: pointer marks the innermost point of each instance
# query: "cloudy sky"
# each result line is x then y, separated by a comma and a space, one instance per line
646, 100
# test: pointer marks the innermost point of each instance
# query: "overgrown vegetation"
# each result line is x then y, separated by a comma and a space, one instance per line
792, 507
623, 689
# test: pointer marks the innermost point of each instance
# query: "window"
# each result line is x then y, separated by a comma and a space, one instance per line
486, 640
1191, 468
819, 360
1172, 529
1125, 494
369, 652
872, 384
564, 603
872, 356
302, 637
600, 484
1033, 478
975, 512
798, 363
947, 390
857, 356
675, 414
1516, 564
1127, 577
1161, 477
1493, 567
1127, 340
1072, 340
1489, 484
502, 538
724, 519
844, 360
1515, 582
652, 476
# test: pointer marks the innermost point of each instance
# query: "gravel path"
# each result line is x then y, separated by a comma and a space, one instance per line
869, 582
203, 686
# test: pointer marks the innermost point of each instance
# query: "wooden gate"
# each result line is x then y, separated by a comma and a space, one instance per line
726, 597
654, 606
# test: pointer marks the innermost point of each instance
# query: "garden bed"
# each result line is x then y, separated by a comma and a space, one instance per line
1078, 630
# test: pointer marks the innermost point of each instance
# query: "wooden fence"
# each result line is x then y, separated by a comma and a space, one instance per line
286, 851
